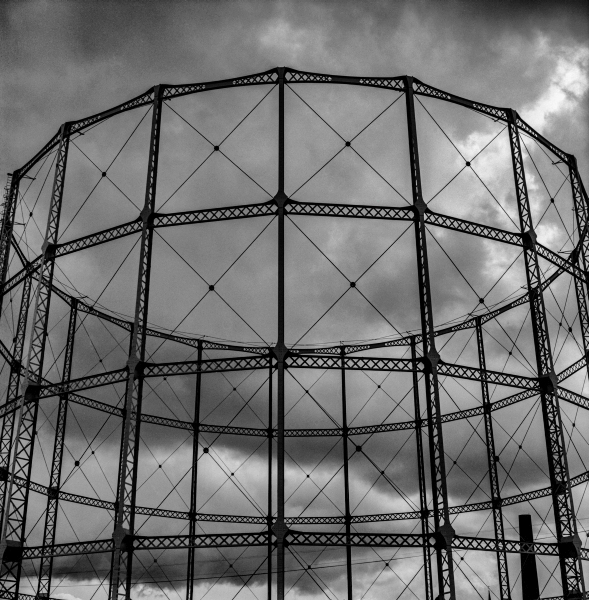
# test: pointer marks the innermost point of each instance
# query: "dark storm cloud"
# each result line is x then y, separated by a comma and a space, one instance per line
89, 55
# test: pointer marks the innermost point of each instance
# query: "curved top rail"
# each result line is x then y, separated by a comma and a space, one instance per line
292, 76
264, 78
50, 145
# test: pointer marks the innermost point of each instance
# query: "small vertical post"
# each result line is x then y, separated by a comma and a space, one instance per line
347, 514
571, 571
530, 587
279, 528
194, 474
425, 529
444, 532
17, 497
505, 593
45, 571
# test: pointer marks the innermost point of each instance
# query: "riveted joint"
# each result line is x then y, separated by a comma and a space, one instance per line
122, 539
3, 474
430, 361
11, 551
511, 115
135, 366
419, 208
570, 546
147, 215
48, 250
559, 487
280, 531
30, 390
548, 383
574, 256
53, 493
65, 128
281, 200
280, 352
496, 502
529, 239
444, 536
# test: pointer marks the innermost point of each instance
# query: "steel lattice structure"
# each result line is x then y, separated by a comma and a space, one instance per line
280, 533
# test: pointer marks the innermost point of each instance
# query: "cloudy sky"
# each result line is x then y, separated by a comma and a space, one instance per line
65, 60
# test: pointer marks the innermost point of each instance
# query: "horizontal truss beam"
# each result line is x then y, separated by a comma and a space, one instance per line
565, 394
300, 361
297, 208
293, 538
324, 520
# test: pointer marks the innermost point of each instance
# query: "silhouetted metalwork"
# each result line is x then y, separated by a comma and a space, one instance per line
530, 587
27, 388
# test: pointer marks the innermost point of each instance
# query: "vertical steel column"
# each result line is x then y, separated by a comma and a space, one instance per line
348, 516
505, 593
194, 474
425, 530
443, 529
580, 207
121, 463
9, 209
270, 453
45, 571
562, 499
13, 528
13, 387
279, 528
127, 486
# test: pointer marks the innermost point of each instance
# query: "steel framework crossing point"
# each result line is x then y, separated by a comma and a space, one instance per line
442, 547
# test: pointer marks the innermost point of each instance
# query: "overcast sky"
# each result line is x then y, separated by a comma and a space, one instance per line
62, 61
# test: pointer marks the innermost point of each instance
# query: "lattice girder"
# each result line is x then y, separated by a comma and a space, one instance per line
416, 355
